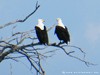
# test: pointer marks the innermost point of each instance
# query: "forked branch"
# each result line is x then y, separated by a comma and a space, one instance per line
69, 53
16, 21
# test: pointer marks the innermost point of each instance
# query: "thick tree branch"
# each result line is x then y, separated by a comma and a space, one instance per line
14, 44
3, 55
15, 47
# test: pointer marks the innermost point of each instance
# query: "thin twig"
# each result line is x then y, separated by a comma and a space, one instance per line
51, 27
61, 47
16, 21
28, 58
11, 69
77, 48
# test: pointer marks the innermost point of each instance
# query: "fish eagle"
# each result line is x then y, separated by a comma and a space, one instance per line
62, 32
41, 32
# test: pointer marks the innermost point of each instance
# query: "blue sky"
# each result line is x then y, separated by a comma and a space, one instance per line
82, 17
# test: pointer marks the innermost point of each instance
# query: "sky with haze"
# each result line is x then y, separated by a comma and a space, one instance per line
82, 17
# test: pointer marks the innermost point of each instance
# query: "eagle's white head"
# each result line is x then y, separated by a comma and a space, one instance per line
40, 21
60, 22
40, 24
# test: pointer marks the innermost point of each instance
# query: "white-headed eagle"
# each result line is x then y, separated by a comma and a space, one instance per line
62, 32
41, 32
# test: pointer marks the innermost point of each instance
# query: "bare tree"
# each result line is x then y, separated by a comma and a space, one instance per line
13, 45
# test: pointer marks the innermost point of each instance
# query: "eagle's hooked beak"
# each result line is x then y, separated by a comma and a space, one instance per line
43, 20
58, 19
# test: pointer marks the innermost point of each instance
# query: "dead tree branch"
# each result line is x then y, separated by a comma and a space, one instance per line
69, 53
30, 52
16, 45
29, 59
17, 21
